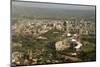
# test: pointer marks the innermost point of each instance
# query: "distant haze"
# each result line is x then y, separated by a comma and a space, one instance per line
51, 10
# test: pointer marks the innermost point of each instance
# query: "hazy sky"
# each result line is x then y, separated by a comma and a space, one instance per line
32, 8
61, 6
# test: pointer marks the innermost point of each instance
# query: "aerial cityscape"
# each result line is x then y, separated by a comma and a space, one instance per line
47, 33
